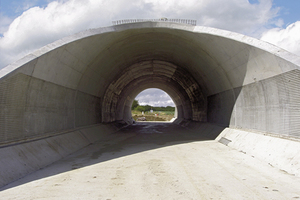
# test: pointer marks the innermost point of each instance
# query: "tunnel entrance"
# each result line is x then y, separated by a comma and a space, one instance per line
80, 89
153, 104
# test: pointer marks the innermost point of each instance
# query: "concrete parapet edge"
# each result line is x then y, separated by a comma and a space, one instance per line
281, 153
21, 159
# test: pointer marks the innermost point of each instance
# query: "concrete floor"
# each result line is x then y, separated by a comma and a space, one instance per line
156, 161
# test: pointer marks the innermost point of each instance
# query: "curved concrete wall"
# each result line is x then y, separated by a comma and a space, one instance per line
92, 77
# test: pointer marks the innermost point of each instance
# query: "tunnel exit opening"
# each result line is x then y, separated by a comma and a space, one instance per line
153, 104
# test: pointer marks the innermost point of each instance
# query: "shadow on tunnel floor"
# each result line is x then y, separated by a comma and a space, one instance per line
136, 138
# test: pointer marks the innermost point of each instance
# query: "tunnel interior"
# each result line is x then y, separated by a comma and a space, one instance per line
213, 76
186, 93
70, 93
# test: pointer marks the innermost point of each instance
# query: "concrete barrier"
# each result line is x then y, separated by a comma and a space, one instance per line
280, 152
18, 160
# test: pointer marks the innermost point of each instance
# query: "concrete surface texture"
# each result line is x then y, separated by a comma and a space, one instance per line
156, 161
215, 77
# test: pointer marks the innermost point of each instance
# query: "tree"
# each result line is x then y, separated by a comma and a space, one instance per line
147, 108
140, 108
135, 104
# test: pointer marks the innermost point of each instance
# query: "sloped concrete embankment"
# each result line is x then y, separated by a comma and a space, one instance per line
279, 151
18, 160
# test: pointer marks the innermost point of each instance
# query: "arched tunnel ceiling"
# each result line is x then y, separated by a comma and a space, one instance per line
100, 55
93, 76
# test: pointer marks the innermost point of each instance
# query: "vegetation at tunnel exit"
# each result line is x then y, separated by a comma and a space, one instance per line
158, 114
146, 108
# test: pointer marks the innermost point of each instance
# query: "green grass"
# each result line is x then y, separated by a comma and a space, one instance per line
161, 116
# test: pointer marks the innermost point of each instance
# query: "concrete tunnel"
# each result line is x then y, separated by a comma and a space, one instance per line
68, 93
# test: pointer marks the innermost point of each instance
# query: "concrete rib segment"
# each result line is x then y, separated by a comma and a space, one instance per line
156, 161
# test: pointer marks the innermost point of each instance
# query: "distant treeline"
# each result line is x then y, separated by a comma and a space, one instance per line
136, 106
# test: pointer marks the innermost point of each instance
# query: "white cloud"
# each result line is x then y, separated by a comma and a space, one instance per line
4, 23
288, 38
154, 97
37, 26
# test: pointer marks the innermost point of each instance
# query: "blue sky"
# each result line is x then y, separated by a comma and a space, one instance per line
27, 25
289, 10
14, 8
